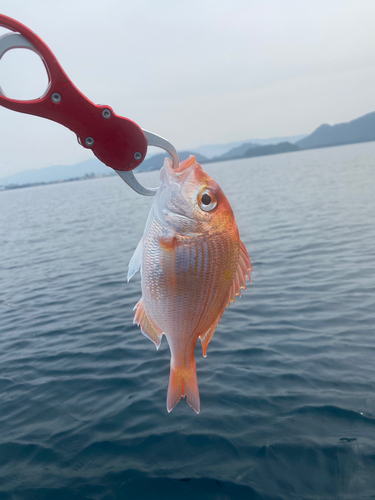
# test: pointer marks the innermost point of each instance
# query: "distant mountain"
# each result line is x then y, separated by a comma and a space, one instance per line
88, 167
277, 140
238, 151
57, 173
211, 151
271, 149
156, 161
359, 130
249, 150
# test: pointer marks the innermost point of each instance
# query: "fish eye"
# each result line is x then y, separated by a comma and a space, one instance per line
207, 200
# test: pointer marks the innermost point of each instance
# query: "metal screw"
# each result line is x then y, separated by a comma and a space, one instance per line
89, 141
106, 113
137, 155
56, 97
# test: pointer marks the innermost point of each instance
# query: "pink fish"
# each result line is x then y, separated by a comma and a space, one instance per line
193, 264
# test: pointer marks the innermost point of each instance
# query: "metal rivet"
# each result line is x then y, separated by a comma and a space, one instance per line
106, 113
56, 97
89, 141
137, 155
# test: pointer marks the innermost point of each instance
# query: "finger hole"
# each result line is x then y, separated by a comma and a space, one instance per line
23, 75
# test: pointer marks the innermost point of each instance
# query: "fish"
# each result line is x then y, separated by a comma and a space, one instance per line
193, 265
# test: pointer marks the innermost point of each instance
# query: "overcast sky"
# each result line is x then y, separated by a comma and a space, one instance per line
196, 72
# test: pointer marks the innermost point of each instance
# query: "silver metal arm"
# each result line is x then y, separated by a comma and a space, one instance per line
159, 142
132, 182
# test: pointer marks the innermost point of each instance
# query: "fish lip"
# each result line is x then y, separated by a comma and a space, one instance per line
170, 176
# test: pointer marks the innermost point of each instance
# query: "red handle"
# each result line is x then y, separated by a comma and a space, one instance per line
117, 141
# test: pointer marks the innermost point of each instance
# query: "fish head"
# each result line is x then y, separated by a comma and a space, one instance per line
190, 201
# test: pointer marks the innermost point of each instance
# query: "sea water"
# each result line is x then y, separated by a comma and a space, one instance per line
288, 386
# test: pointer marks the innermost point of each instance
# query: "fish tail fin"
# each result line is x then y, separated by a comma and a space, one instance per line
183, 382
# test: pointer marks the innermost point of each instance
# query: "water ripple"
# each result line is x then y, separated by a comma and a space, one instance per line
288, 387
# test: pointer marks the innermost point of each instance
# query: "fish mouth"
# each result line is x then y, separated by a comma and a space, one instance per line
170, 203
169, 175
184, 165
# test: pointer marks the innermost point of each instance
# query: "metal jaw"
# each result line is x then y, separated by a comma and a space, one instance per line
152, 140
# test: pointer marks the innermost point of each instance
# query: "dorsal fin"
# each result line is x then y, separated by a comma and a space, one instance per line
147, 327
243, 271
239, 281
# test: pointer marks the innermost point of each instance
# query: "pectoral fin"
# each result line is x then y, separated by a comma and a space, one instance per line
136, 261
168, 246
147, 327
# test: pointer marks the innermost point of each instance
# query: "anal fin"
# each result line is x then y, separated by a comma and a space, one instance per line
205, 339
147, 327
